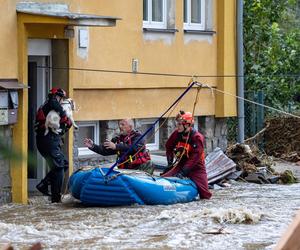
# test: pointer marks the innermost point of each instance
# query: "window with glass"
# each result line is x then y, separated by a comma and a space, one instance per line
152, 138
154, 14
194, 15
87, 130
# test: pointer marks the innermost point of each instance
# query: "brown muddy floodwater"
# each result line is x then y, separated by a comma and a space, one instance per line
249, 216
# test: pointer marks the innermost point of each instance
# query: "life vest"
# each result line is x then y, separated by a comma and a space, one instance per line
40, 119
182, 149
184, 146
185, 149
132, 161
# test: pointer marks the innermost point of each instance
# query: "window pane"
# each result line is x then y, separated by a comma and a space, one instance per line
145, 10
185, 11
157, 10
195, 11
85, 132
150, 137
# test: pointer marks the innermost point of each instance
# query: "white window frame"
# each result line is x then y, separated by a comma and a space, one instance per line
85, 150
155, 145
156, 25
194, 26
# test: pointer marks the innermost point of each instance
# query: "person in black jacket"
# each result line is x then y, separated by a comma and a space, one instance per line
131, 155
49, 145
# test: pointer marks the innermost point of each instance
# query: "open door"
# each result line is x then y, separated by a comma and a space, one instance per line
39, 83
43, 54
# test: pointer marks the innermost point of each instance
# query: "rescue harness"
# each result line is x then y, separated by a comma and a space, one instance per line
131, 161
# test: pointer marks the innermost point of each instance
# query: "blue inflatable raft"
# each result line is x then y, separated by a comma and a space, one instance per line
126, 187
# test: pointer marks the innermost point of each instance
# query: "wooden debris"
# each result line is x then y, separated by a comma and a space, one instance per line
258, 135
282, 138
255, 166
221, 230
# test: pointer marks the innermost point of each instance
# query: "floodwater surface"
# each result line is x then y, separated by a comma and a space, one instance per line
243, 216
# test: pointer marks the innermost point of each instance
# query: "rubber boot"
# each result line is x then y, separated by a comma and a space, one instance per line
56, 184
43, 187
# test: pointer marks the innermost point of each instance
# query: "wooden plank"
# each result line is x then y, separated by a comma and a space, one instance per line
290, 239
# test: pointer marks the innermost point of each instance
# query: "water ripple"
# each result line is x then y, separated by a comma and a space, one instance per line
244, 216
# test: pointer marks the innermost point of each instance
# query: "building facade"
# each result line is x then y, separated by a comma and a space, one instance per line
116, 59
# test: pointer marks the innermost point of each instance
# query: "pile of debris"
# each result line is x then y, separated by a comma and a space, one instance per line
244, 162
254, 166
282, 138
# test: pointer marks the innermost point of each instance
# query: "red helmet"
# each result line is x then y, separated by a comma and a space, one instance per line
186, 117
58, 91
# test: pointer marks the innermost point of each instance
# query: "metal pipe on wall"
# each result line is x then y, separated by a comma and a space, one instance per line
240, 71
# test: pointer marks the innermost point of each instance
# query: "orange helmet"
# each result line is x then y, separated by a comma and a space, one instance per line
185, 117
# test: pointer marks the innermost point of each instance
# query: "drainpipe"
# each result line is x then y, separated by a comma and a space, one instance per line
240, 71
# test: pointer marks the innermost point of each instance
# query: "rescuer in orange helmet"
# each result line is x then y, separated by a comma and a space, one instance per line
185, 154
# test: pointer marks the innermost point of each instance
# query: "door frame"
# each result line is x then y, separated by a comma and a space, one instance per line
39, 52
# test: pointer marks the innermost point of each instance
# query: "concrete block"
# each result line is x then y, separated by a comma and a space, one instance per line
218, 129
5, 196
5, 179
209, 132
215, 142
210, 122
222, 143
208, 146
224, 127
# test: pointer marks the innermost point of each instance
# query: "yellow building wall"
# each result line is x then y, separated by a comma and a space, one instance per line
8, 40
226, 103
114, 48
14, 64
106, 96
141, 99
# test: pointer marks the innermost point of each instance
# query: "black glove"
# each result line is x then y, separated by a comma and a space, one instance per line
183, 173
168, 168
180, 175
170, 161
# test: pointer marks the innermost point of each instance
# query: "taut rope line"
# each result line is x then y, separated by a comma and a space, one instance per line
167, 117
247, 100
149, 129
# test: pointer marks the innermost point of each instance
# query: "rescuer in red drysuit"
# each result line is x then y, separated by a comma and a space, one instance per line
187, 146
